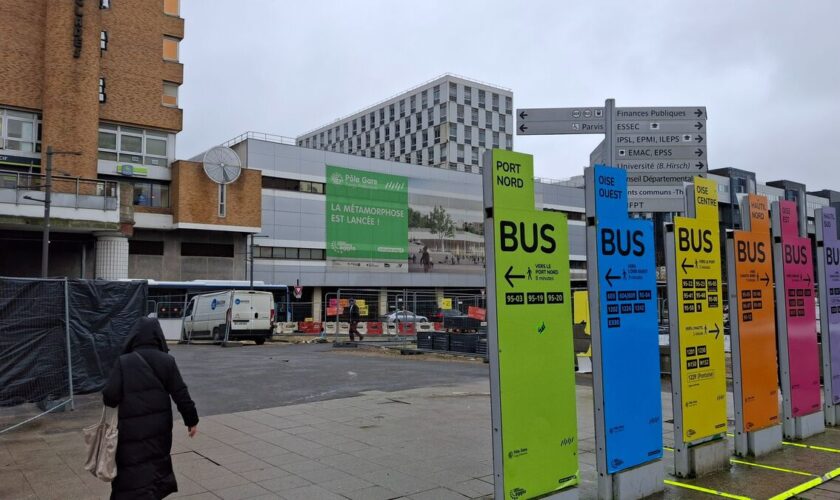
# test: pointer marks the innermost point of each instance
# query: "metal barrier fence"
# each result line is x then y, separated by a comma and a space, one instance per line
36, 374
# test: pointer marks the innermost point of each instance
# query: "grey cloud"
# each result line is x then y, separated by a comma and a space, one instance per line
769, 72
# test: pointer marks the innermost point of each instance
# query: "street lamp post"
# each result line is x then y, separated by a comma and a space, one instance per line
251, 251
45, 238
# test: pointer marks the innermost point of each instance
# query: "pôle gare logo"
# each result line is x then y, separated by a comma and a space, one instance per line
337, 179
517, 493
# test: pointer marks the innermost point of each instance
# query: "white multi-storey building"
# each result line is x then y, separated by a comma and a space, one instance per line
448, 123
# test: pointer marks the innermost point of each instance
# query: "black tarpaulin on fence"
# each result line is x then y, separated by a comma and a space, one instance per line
33, 339
101, 316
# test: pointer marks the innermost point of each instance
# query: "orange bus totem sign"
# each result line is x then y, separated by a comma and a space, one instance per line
754, 311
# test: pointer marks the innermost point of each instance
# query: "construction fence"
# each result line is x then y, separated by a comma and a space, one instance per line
387, 313
59, 338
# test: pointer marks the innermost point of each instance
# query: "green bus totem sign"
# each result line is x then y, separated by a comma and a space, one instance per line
529, 334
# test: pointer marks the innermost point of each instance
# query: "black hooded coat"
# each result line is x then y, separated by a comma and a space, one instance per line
144, 466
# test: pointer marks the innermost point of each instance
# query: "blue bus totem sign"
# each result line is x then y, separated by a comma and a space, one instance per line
622, 288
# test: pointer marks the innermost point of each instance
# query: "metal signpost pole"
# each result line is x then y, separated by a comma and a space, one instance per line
45, 240
828, 272
609, 132
67, 336
624, 329
492, 330
796, 325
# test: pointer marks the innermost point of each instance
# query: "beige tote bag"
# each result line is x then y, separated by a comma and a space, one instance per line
101, 442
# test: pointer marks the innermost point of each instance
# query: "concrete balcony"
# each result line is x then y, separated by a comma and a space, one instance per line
76, 204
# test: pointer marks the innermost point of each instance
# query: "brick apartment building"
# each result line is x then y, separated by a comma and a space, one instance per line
100, 79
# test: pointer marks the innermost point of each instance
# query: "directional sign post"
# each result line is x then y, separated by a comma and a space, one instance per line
796, 324
530, 341
753, 331
695, 306
828, 270
625, 334
658, 146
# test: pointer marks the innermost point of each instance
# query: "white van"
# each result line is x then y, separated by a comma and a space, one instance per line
250, 315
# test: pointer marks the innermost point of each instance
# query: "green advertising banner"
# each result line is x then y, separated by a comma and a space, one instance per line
367, 216
534, 358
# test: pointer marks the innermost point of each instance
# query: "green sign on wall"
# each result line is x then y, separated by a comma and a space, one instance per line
535, 438
367, 216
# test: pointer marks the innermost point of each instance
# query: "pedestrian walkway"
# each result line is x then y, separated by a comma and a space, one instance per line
428, 443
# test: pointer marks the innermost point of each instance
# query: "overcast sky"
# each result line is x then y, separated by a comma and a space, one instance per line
768, 71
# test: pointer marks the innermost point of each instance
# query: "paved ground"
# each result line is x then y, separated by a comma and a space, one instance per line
284, 374
423, 443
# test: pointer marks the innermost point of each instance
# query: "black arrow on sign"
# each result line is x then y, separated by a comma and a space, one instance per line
523, 114
509, 276
698, 113
716, 331
698, 125
523, 128
698, 152
699, 138
686, 266
766, 279
808, 279
610, 277
700, 165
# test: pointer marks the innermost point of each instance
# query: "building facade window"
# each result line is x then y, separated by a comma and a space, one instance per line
468, 96
508, 105
104, 4
453, 132
264, 252
453, 91
145, 247
103, 41
467, 134
474, 156
206, 249
424, 99
170, 94
102, 96
460, 153
172, 7
436, 94
474, 116
151, 194
460, 113
170, 48
133, 145
482, 101
488, 119
482, 137
495, 102
444, 108
20, 131
222, 200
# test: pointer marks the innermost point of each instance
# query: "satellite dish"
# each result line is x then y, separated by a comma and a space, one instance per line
222, 165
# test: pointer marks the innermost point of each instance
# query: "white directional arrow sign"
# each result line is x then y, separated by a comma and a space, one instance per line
657, 145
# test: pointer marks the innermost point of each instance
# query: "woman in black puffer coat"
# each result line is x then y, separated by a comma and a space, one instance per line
141, 383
